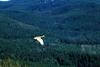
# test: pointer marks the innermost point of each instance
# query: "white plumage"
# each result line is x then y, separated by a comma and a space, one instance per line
39, 39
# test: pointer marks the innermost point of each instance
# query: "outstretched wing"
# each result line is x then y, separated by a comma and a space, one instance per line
40, 41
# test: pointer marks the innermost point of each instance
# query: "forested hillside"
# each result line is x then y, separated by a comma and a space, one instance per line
71, 29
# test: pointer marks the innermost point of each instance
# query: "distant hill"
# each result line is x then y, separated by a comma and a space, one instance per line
77, 21
71, 29
39, 5
10, 28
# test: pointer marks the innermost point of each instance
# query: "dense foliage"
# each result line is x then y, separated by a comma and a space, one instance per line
72, 30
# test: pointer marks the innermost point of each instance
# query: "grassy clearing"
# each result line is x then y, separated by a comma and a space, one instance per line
13, 63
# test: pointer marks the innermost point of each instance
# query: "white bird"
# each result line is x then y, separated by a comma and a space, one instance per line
39, 39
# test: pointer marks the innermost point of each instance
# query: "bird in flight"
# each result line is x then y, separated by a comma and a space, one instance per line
39, 39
